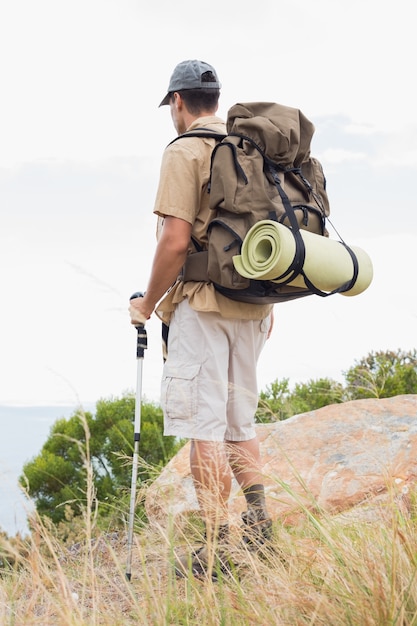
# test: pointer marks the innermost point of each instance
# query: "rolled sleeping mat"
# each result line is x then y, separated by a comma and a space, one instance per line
269, 249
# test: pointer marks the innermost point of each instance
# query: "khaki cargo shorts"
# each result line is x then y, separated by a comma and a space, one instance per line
209, 386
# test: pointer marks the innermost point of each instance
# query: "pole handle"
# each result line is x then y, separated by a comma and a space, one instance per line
142, 339
137, 294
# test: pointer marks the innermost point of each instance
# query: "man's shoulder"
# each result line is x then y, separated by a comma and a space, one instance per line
194, 144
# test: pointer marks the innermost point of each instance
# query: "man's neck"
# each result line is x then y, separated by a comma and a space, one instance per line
189, 119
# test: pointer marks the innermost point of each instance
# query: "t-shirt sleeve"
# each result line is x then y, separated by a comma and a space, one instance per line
180, 184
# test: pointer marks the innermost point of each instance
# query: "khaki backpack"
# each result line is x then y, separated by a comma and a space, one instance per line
260, 170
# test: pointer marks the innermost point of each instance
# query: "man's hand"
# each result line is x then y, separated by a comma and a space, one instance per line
138, 312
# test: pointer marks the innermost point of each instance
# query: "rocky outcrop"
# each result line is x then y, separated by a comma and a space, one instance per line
352, 456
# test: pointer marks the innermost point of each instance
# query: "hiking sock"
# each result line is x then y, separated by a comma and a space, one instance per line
255, 499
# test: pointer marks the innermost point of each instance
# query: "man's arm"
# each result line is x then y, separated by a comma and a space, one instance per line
169, 257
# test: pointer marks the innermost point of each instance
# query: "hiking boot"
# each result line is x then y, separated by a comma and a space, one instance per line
257, 529
212, 559
203, 563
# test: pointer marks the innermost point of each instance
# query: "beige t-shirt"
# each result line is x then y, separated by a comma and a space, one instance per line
182, 192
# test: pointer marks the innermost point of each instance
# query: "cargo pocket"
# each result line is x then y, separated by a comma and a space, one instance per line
266, 325
179, 391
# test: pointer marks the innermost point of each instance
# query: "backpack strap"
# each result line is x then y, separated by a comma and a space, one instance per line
195, 267
200, 132
296, 266
300, 251
233, 142
346, 286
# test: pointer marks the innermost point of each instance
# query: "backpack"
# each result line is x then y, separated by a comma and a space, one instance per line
261, 170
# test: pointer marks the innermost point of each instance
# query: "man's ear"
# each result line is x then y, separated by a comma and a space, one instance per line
178, 101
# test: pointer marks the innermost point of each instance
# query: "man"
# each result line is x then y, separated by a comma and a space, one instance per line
209, 387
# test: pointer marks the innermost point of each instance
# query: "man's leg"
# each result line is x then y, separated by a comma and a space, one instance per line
245, 461
244, 458
212, 480
194, 397
242, 441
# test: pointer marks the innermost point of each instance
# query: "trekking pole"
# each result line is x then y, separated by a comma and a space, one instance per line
141, 345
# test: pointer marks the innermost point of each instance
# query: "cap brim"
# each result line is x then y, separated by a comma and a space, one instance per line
165, 100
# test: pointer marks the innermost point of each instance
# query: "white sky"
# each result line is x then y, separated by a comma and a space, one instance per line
81, 138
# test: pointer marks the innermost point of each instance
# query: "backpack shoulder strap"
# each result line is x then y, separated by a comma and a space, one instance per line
200, 132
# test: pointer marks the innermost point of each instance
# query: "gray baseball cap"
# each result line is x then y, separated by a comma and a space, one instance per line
187, 75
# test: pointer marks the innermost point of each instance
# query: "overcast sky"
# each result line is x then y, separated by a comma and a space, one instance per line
81, 138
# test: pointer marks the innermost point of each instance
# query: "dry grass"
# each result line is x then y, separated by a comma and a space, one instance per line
323, 571
333, 573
